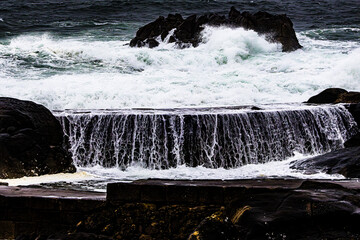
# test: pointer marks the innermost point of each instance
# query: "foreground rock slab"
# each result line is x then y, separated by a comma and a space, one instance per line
215, 209
343, 161
239, 209
31, 141
186, 32
28, 212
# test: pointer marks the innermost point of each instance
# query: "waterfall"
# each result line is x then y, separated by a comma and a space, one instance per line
229, 138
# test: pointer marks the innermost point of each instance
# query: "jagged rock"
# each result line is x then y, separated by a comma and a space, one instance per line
31, 141
343, 161
277, 28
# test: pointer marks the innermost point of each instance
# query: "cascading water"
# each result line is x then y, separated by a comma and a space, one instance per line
213, 138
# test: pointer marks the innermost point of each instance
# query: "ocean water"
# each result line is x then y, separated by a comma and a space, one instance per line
74, 54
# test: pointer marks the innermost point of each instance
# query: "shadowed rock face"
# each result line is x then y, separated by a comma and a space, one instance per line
344, 161
241, 209
30, 141
335, 95
277, 28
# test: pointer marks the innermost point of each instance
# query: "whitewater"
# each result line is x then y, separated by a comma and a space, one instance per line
231, 67
79, 60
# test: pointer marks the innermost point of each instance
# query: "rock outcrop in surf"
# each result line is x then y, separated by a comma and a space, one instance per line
335, 95
186, 32
31, 141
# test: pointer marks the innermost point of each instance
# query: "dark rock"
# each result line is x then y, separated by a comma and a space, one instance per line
78, 236
335, 95
186, 31
215, 227
354, 109
349, 97
344, 161
329, 95
353, 142
277, 28
152, 42
318, 211
146, 221
31, 141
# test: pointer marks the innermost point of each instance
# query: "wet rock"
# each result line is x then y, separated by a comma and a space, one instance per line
349, 97
353, 142
31, 141
354, 109
78, 236
313, 211
344, 161
329, 95
215, 227
276, 28
335, 95
151, 43
146, 221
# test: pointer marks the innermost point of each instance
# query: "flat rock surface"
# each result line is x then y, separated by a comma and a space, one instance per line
7, 191
244, 183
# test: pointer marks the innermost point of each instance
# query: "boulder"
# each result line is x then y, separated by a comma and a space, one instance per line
343, 161
335, 95
276, 28
329, 95
31, 141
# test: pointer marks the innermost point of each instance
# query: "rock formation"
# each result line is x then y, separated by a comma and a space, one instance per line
335, 95
31, 141
276, 28
343, 161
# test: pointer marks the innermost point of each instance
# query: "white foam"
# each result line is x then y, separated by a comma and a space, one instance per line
233, 67
102, 176
277, 169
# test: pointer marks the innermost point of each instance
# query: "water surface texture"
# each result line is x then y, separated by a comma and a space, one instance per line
74, 54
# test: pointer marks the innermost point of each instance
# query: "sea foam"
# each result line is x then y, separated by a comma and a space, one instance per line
230, 67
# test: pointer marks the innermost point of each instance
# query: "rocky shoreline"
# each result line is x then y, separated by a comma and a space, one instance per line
165, 209
161, 209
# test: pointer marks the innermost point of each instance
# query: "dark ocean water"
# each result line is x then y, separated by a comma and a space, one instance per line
119, 18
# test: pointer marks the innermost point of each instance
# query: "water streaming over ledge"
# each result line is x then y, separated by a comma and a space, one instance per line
210, 137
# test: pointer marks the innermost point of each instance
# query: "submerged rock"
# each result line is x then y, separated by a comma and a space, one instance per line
31, 141
344, 161
277, 28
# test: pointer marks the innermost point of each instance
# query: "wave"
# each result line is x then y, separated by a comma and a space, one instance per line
231, 67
